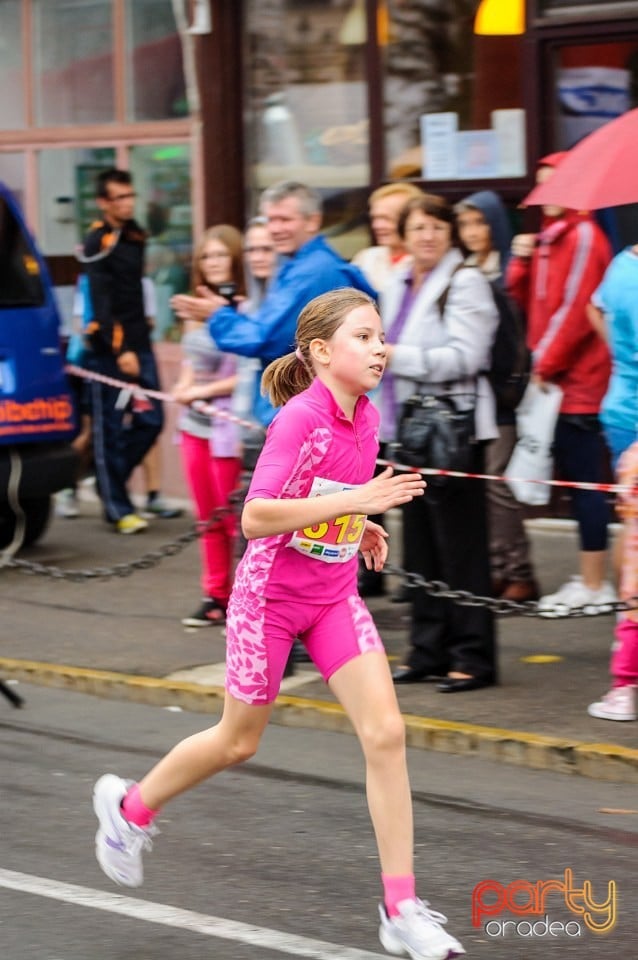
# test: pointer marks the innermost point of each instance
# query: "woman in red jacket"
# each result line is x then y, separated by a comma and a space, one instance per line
553, 275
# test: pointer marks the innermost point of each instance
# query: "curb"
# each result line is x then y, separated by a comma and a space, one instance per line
598, 761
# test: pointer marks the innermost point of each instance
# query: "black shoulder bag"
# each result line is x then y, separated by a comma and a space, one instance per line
432, 432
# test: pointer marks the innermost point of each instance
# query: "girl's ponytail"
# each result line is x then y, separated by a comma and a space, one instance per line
286, 377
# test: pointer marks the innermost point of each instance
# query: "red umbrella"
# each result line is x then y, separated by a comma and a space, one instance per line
600, 171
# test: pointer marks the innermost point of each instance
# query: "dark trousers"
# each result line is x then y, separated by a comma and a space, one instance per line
445, 538
579, 453
122, 434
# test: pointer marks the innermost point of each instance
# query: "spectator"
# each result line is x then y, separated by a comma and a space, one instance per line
211, 446
620, 702
614, 312
553, 276
379, 263
293, 213
125, 427
446, 532
67, 501
485, 236
260, 260
260, 265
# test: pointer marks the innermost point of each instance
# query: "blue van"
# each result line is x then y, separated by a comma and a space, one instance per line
37, 416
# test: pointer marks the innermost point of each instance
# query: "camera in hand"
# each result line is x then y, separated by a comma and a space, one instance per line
227, 290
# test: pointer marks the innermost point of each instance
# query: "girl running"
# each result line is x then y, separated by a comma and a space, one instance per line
305, 520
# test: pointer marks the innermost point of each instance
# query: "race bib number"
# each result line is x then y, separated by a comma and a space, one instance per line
333, 541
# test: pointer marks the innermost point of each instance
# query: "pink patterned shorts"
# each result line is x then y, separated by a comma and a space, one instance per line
260, 633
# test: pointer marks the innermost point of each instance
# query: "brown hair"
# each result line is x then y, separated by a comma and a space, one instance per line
432, 206
232, 240
319, 320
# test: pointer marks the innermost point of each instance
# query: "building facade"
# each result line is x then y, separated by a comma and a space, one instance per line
209, 101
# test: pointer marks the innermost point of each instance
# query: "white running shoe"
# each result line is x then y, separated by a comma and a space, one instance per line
575, 594
618, 704
66, 503
118, 843
417, 933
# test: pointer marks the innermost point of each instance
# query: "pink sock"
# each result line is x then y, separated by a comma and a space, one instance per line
396, 889
135, 810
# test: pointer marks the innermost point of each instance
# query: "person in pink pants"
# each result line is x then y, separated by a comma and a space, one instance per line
211, 445
620, 702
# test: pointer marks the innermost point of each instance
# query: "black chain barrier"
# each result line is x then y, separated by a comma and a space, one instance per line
502, 607
146, 562
436, 588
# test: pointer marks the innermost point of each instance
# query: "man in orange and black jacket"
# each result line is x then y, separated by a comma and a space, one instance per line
125, 427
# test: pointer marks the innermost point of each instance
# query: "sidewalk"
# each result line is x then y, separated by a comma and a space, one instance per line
123, 639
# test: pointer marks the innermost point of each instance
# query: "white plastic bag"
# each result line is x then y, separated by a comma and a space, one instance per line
532, 458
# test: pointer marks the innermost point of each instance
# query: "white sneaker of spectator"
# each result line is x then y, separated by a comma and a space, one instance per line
573, 595
66, 503
618, 704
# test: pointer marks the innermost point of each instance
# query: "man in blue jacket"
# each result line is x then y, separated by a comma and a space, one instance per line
311, 267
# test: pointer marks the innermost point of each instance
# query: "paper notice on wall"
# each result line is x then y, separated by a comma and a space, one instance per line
438, 144
477, 152
587, 98
509, 127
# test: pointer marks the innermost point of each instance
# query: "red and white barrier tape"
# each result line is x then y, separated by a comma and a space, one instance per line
213, 411
574, 484
137, 391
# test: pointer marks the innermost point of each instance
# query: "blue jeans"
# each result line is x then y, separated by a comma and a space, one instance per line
122, 436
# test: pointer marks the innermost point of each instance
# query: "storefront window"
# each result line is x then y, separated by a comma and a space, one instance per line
306, 99
453, 100
66, 188
161, 174
586, 8
73, 58
593, 83
154, 92
12, 169
11, 76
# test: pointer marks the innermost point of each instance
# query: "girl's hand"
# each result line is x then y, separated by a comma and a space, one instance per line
198, 308
374, 546
388, 490
186, 395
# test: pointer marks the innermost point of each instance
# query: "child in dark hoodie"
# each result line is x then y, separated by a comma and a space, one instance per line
485, 235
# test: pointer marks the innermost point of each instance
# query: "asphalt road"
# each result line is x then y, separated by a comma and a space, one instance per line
277, 859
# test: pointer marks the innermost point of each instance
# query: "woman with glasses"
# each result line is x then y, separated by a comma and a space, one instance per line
260, 263
260, 260
211, 445
440, 320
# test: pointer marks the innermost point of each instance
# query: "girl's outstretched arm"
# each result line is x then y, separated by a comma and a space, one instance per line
264, 517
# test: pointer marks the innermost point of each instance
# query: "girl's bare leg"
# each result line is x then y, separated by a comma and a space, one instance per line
234, 739
364, 688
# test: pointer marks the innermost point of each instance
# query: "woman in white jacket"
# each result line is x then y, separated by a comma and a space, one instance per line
440, 321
